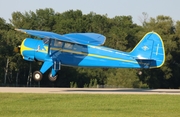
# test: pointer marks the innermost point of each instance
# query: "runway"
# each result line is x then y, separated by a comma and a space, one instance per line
88, 90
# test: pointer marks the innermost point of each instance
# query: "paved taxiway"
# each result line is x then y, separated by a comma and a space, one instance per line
88, 90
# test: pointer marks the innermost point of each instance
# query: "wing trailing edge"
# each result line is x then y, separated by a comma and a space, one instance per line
80, 38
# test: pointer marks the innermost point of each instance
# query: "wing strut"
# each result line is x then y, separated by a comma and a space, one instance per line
49, 46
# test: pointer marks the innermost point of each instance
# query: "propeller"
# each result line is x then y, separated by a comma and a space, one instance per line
17, 49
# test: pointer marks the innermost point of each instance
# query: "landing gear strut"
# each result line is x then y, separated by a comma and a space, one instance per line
37, 76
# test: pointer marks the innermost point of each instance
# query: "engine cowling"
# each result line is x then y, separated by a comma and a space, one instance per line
33, 49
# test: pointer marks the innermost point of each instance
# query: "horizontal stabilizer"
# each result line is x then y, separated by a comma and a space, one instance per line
146, 63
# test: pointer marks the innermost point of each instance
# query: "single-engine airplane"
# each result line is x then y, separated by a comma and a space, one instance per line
86, 50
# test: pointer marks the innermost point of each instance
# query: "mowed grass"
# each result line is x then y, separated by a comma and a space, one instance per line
88, 105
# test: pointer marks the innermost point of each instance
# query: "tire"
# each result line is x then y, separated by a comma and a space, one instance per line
52, 79
37, 76
139, 73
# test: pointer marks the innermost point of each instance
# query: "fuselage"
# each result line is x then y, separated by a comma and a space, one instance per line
72, 54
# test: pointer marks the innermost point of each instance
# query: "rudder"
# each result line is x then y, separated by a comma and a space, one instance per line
150, 48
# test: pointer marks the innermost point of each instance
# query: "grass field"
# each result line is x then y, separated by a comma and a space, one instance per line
88, 105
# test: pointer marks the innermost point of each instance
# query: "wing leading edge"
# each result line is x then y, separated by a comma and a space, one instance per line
80, 38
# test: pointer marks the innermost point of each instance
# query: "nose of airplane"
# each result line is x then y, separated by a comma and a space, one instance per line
28, 48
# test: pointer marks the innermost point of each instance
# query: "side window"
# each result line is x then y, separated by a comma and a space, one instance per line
68, 45
58, 43
80, 48
52, 42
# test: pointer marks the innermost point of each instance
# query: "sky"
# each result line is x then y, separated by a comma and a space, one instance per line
112, 8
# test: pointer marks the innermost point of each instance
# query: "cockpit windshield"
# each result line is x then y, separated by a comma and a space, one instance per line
46, 40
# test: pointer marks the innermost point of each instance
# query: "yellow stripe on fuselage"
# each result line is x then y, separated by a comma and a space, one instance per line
93, 55
69, 51
111, 58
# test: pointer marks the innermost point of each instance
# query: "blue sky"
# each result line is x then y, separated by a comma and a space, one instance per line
110, 7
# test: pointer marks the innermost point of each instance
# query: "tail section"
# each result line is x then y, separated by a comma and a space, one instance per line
149, 52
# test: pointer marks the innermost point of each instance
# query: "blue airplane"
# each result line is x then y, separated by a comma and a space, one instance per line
86, 50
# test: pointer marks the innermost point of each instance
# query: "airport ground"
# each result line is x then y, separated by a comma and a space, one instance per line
88, 90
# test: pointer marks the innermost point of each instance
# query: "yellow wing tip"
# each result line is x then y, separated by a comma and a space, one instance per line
19, 30
16, 29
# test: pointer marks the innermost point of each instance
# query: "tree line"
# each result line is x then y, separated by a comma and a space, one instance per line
121, 33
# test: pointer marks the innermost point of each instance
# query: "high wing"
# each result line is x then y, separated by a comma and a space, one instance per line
80, 38
87, 38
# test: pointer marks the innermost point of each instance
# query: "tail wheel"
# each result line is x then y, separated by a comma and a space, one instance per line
37, 76
139, 73
52, 78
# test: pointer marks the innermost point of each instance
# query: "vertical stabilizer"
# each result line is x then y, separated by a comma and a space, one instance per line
150, 48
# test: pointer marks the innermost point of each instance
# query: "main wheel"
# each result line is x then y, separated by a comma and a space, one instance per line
37, 76
51, 78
